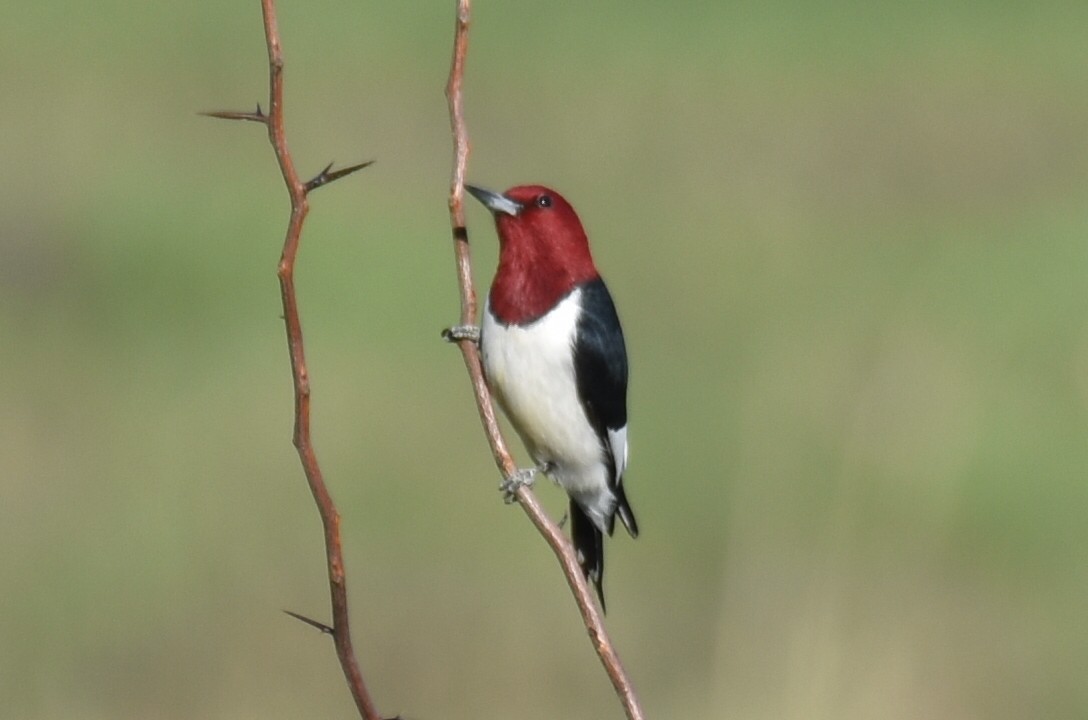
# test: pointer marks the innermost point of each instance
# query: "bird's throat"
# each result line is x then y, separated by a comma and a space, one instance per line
521, 297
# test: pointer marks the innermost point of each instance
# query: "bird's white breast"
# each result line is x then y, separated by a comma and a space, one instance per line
530, 369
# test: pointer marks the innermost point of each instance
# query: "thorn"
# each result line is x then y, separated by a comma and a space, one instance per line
312, 623
257, 116
325, 177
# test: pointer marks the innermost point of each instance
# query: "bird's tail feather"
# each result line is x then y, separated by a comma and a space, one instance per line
589, 544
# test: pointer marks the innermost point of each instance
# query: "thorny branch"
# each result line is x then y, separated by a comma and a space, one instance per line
330, 518
551, 532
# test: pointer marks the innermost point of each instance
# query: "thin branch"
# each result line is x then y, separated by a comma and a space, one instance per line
330, 518
551, 532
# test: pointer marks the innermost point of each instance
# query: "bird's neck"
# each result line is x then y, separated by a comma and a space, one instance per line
528, 284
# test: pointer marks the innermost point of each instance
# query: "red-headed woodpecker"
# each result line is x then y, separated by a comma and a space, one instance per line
554, 357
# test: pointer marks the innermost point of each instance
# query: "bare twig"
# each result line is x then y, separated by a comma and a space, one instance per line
330, 518
559, 544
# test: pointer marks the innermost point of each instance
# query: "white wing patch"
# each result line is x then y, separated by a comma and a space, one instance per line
617, 441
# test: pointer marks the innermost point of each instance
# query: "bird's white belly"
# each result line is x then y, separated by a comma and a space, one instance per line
531, 371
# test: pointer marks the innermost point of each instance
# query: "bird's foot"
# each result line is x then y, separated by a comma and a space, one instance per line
521, 478
462, 332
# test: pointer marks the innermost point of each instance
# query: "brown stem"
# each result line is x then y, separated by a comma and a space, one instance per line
298, 191
591, 616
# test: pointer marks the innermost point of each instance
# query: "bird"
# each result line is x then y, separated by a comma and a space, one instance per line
554, 357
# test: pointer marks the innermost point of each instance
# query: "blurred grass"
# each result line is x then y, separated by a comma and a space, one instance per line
847, 241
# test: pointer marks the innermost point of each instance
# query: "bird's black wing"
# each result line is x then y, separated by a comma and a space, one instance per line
600, 363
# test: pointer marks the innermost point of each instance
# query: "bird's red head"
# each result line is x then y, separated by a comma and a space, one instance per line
543, 251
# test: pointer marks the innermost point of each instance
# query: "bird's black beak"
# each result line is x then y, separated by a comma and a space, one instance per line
495, 202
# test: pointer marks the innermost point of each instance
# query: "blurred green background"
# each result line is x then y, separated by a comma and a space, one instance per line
848, 243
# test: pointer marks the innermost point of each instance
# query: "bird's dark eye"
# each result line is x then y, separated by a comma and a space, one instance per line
544, 201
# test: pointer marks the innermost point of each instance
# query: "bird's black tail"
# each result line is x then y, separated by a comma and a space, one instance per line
589, 545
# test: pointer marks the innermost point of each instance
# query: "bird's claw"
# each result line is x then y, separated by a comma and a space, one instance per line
462, 332
520, 479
